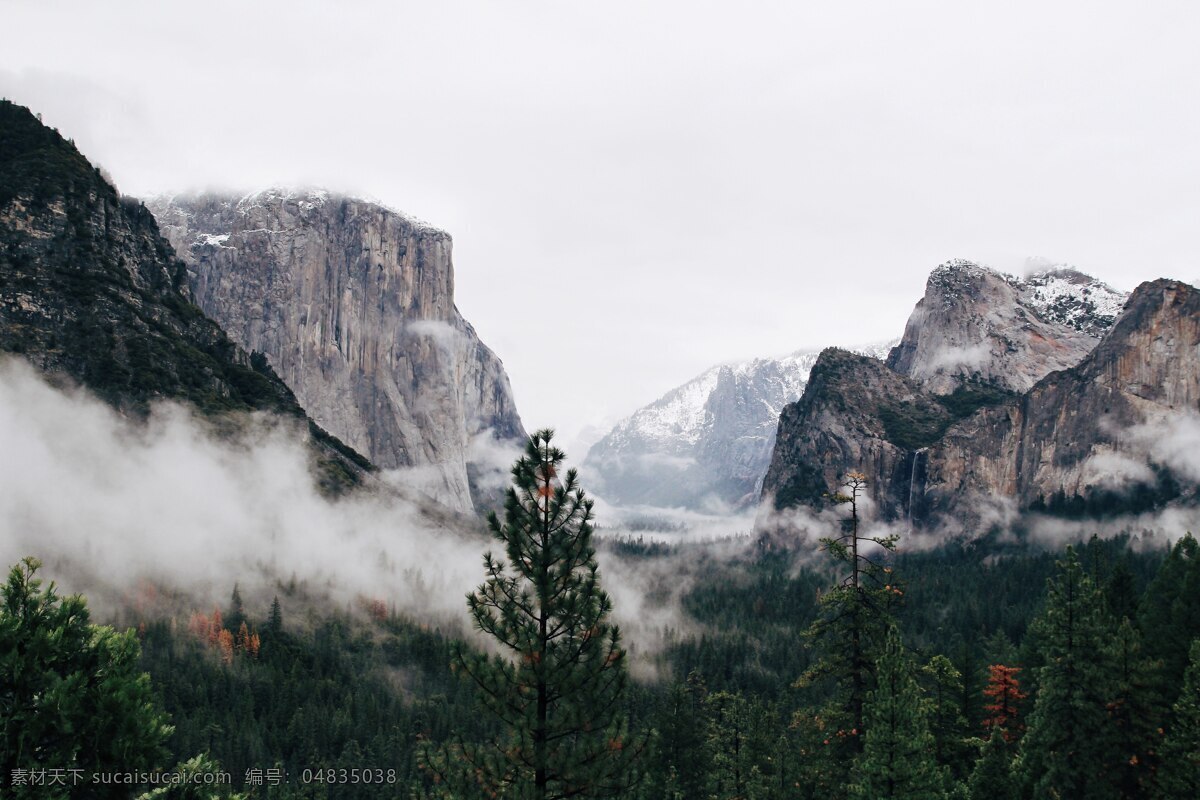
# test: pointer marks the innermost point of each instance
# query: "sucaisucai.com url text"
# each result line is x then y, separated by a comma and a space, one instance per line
78, 777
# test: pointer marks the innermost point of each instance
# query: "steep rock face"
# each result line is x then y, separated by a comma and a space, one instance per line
975, 324
354, 306
1118, 427
91, 291
1114, 433
856, 414
706, 444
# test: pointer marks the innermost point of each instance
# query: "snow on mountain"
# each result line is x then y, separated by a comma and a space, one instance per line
1071, 298
976, 324
706, 444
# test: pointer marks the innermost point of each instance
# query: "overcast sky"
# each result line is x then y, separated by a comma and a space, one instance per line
639, 190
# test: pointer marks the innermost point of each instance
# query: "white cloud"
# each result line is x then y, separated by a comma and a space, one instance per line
108, 503
641, 190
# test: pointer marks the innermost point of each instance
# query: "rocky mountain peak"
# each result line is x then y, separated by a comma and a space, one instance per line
353, 303
705, 444
1099, 437
976, 324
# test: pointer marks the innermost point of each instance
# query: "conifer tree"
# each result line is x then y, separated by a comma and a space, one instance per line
682, 757
898, 755
1132, 727
275, 620
71, 694
1167, 616
558, 689
942, 683
1064, 751
854, 618
1179, 777
993, 775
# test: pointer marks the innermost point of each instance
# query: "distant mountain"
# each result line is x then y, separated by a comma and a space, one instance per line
976, 324
706, 444
90, 291
353, 303
1028, 427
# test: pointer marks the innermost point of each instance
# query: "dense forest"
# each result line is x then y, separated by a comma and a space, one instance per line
997, 671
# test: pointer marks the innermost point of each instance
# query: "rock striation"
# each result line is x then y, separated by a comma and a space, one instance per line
353, 304
1106, 434
976, 324
91, 292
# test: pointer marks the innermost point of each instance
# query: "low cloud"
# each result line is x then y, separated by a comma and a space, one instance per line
109, 504
949, 359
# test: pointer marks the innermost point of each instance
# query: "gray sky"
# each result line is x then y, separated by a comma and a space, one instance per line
638, 190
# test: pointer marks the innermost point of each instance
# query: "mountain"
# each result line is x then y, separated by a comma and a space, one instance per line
91, 293
353, 304
1106, 434
1118, 431
706, 444
981, 325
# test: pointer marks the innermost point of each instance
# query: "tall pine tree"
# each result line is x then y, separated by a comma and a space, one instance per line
1179, 778
855, 617
559, 690
898, 757
1064, 753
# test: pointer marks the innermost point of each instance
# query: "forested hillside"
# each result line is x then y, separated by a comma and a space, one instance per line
1098, 660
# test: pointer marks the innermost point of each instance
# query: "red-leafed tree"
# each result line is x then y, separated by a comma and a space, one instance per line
1004, 695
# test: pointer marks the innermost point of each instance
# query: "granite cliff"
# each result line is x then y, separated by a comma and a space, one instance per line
92, 294
976, 324
353, 304
1017, 431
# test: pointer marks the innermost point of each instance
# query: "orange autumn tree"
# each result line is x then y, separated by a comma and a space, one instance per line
211, 630
1004, 694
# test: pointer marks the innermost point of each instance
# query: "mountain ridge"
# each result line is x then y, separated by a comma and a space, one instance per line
92, 293
705, 444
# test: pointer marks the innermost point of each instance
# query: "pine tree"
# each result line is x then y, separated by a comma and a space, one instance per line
1179, 777
275, 621
1132, 728
1167, 616
898, 755
729, 746
854, 617
1063, 753
681, 749
993, 775
559, 691
943, 688
237, 610
71, 693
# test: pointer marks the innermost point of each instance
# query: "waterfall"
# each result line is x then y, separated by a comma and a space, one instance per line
912, 480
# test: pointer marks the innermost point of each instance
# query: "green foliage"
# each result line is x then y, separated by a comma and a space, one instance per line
914, 424
1179, 777
343, 695
38, 163
192, 785
1064, 750
71, 694
922, 421
855, 618
942, 683
898, 758
993, 777
1167, 615
558, 687
103, 301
